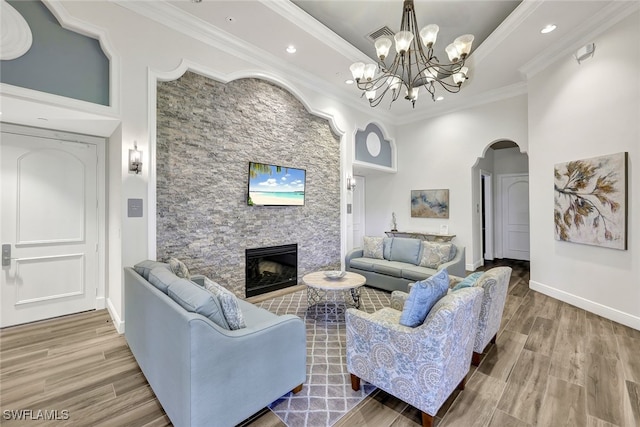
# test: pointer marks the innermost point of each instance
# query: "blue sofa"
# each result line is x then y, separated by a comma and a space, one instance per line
391, 263
202, 373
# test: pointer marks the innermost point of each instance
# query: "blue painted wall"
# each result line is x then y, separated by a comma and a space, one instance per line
384, 158
59, 61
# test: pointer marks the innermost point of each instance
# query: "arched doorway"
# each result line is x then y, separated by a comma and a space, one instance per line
501, 201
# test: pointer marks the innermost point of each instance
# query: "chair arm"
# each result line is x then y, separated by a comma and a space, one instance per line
353, 253
398, 298
455, 267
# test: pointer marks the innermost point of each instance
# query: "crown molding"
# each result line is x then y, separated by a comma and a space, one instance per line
505, 29
468, 102
308, 23
189, 25
611, 14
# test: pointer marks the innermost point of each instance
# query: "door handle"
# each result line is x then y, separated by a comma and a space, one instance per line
6, 255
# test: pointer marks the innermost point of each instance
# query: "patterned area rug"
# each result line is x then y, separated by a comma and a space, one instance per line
327, 394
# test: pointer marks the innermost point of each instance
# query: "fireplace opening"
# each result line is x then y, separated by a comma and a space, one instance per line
271, 268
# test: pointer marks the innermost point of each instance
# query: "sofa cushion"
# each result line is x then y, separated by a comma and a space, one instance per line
144, 267
373, 247
468, 281
423, 297
228, 302
417, 273
386, 247
179, 268
390, 268
404, 249
195, 299
365, 264
162, 278
435, 253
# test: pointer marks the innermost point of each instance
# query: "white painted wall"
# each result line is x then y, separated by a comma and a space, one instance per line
510, 160
440, 153
575, 112
158, 50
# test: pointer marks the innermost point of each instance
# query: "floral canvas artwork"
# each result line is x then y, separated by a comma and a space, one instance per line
591, 201
430, 203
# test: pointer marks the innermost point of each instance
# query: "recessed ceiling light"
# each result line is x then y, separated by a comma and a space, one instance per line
291, 49
349, 81
547, 29
440, 98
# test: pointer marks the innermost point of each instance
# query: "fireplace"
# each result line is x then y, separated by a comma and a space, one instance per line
271, 268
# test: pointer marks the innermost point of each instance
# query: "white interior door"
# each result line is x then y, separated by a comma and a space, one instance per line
358, 212
515, 216
49, 222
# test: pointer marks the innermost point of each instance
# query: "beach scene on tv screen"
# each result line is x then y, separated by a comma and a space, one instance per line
275, 185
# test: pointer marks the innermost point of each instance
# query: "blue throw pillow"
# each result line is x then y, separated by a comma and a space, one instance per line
468, 281
422, 298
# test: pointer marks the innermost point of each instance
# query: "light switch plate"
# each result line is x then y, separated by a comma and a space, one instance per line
134, 208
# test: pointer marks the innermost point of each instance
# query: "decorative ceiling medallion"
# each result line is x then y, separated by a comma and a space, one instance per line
16, 34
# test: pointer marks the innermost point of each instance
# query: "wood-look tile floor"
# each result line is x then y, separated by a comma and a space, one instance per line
553, 365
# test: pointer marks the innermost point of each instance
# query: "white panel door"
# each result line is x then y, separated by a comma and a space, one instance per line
358, 212
49, 221
515, 217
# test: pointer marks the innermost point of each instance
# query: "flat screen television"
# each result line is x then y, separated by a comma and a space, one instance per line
272, 185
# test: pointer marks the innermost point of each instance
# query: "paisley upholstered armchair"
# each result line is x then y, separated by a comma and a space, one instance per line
495, 284
421, 366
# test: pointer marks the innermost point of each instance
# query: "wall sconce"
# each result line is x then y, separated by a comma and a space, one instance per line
135, 159
584, 52
351, 183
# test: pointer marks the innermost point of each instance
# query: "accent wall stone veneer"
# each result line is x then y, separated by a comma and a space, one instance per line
207, 133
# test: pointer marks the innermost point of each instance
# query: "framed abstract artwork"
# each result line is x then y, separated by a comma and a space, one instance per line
430, 203
590, 201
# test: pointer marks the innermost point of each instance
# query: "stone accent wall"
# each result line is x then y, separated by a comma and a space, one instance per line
207, 134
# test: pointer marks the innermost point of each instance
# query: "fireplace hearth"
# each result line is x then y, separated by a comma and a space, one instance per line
271, 268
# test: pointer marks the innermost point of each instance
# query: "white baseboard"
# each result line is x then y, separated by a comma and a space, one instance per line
594, 307
474, 266
101, 303
117, 322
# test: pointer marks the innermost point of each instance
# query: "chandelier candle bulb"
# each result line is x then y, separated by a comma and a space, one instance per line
370, 71
412, 93
403, 41
431, 74
463, 44
383, 45
370, 94
429, 34
452, 52
357, 70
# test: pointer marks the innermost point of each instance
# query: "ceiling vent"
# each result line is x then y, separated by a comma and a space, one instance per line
384, 31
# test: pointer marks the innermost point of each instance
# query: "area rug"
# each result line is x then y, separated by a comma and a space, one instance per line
327, 395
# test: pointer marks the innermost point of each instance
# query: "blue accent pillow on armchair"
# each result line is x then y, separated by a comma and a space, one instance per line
422, 298
468, 281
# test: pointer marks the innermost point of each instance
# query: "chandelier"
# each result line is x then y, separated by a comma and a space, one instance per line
414, 66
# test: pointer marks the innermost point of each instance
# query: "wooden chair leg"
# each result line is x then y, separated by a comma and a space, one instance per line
427, 420
475, 359
355, 383
462, 383
298, 389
